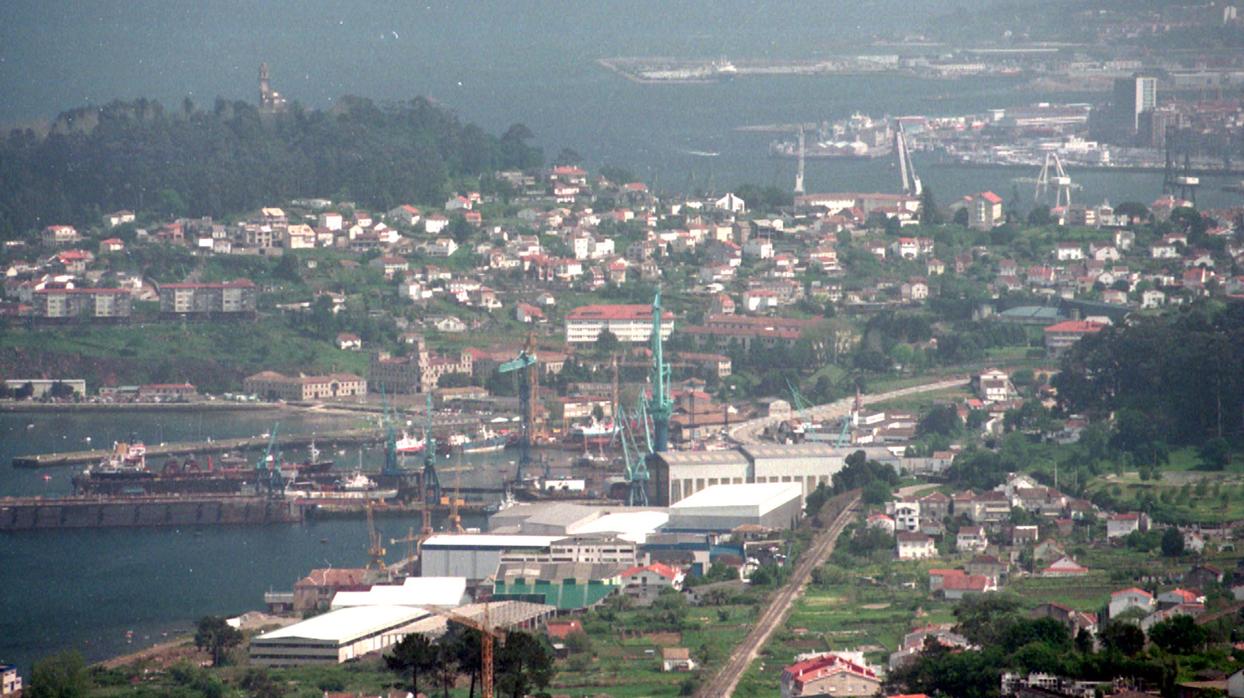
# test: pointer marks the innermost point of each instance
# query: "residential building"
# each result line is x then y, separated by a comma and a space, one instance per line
829, 675
1061, 336
316, 590
1073, 619
270, 385
985, 211
676, 659
971, 539
914, 546
1064, 567
10, 680
1122, 525
63, 304
417, 372
645, 584
59, 235
629, 323
235, 298
1131, 598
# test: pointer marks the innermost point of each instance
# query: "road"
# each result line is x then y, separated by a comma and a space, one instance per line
727, 679
749, 432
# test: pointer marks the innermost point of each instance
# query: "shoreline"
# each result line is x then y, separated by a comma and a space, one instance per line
17, 407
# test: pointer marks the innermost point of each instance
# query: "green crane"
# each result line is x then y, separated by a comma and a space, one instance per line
528, 386
636, 460
431, 482
661, 405
268, 469
391, 467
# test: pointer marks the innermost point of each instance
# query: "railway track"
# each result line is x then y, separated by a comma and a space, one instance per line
727, 678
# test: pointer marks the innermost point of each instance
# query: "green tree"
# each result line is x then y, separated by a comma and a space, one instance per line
929, 215
607, 343
1179, 635
215, 636
1123, 637
524, 663
61, 675
1215, 454
1172, 542
467, 651
942, 419
413, 655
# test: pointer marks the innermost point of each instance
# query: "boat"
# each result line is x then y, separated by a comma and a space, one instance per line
485, 441
125, 472
593, 433
409, 445
357, 486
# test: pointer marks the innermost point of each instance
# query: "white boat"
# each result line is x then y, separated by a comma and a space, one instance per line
408, 444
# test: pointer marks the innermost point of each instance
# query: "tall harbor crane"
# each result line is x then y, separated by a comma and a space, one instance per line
634, 458
268, 473
429, 480
528, 396
660, 405
1053, 174
799, 168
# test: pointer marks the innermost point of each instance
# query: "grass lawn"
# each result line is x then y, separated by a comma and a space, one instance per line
626, 666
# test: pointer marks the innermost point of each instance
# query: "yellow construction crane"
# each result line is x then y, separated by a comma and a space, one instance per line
410, 541
489, 635
375, 550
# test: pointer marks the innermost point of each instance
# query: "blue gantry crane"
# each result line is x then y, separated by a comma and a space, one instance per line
528, 394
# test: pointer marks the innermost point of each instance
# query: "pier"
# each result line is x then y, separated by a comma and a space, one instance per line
442, 428
185, 448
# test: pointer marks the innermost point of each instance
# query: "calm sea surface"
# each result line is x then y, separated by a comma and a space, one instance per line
84, 589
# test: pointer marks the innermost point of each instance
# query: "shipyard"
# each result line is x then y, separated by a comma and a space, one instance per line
882, 350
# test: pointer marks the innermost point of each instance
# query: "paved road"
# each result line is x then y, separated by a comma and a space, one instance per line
749, 432
727, 679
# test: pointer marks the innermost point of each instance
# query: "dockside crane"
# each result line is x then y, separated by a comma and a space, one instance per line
528, 395
429, 481
635, 460
660, 405
392, 467
268, 470
375, 547
1053, 174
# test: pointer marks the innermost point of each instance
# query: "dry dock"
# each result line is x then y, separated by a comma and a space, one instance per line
33, 513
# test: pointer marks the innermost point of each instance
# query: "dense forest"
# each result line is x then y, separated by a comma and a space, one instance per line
189, 161
1176, 378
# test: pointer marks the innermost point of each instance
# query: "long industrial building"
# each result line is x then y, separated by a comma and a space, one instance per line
335, 637
676, 475
771, 505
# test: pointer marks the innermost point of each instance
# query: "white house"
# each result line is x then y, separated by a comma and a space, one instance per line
881, 521
1121, 525
759, 248
1126, 599
914, 546
971, 539
906, 515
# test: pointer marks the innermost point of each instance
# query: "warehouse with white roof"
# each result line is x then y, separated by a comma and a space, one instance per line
774, 505
335, 637
414, 591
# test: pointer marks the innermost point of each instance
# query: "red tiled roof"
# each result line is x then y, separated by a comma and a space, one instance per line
1075, 326
615, 312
